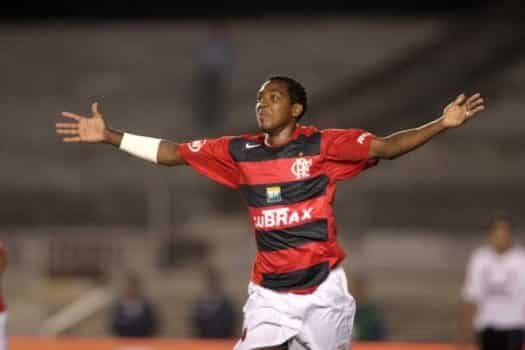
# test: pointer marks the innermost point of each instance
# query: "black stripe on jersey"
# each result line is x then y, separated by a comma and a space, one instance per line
291, 192
293, 236
300, 147
298, 279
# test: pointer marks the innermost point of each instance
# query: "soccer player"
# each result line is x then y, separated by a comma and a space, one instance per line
298, 297
494, 291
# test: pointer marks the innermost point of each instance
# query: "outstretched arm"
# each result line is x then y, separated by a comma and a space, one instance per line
454, 115
94, 130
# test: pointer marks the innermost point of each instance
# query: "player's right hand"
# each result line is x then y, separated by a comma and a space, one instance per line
83, 129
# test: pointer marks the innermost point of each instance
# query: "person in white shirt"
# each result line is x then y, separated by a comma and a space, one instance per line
494, 291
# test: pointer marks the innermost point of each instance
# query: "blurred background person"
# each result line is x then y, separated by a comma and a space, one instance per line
494, 291
213, 313
369, 323
134, 315
214, 61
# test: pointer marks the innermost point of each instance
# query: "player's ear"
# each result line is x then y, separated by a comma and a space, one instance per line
297, 109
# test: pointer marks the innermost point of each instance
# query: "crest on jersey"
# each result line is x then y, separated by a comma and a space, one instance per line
301, 168
195, 146
273, 194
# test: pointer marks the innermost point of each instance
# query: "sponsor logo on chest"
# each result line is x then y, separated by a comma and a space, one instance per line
281, 217
273, 194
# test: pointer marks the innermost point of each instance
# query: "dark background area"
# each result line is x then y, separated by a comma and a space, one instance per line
45, 10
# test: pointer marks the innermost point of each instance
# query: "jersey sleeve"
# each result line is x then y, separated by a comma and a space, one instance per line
346, 152
212, 158
472, 287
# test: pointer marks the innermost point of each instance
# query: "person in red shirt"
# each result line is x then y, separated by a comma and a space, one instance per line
287, 174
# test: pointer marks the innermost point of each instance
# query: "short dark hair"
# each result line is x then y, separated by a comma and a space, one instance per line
296, 91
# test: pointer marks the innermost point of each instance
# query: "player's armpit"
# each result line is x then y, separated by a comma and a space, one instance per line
380, 149
169, 154
393, 146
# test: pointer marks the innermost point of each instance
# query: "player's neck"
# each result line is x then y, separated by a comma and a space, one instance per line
280, 136
501, 250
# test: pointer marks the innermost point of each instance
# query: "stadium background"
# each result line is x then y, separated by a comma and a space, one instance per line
75, 218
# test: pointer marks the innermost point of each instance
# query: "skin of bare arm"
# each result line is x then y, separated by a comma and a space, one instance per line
94, 129
457, 113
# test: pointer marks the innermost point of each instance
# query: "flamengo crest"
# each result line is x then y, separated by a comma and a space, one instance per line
301, 167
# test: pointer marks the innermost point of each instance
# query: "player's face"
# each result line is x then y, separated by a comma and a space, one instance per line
500, 236
273, 109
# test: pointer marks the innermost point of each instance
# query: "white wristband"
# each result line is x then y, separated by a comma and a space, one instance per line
140, 146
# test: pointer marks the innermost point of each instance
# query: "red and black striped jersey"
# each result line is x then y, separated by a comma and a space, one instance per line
289, 191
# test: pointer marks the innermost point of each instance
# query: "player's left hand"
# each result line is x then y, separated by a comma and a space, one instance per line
461, 110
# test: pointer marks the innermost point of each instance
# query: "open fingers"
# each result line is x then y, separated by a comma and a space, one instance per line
476, 110
460, 99
67, 125
473, 98
72, 116
67, 131
71, 139
94, 108
475, 103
